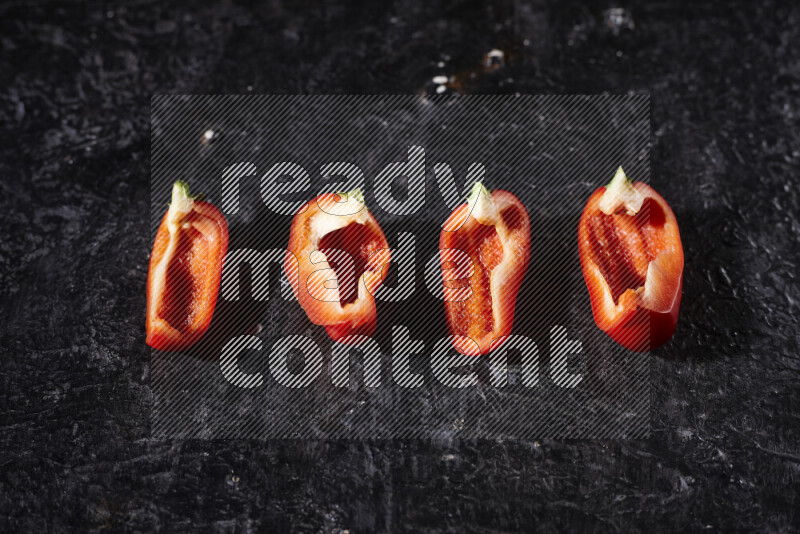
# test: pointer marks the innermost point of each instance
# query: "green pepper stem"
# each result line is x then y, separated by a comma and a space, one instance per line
355, 194
477, 189
182, 202
481, 205
621, 193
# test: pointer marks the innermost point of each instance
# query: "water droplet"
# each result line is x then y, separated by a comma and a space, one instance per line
618, 19
494, 59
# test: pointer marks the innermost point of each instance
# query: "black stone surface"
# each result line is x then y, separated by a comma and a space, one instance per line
75, 87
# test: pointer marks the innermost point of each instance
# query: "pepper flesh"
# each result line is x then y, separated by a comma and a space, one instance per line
185, 271
632, 260
494, 230
326, 234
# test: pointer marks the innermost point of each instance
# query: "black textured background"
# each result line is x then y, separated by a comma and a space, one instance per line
75, 87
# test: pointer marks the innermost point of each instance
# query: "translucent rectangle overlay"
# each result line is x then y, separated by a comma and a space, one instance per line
265, 371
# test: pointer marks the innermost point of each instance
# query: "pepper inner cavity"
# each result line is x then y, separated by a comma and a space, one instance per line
178, 307
347, 251
623, 245
473, 317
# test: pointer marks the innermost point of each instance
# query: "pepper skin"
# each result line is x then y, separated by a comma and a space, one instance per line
326, 234
494, 230
632, 260
185, 270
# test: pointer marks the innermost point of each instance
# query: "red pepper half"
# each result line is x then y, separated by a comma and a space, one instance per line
495, 232
185, 270
336, 259
632, 260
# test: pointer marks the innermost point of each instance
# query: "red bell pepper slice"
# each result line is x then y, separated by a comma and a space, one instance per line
494, 230
185, 270
336, 259
632, 260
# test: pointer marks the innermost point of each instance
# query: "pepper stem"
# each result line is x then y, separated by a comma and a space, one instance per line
355, 194
481, 206
182, 202
477, 189
620, 193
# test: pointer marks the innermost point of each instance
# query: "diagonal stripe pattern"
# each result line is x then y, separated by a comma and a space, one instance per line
264, 371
